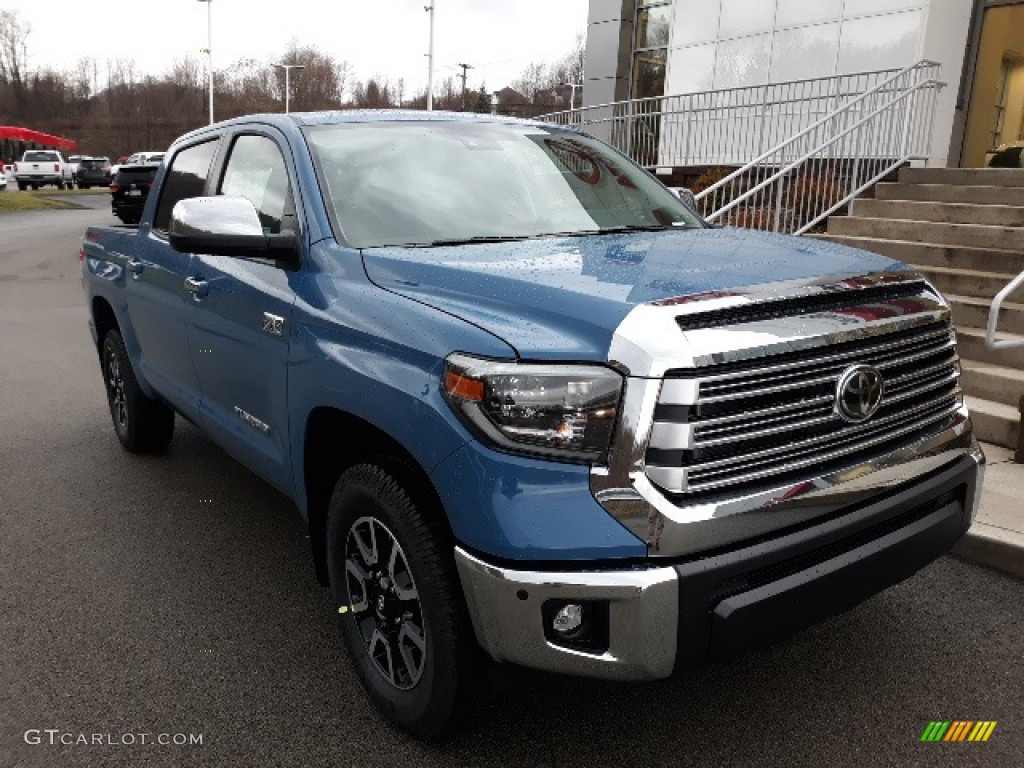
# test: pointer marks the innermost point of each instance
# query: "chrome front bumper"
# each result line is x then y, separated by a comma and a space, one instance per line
505, 605
666, 618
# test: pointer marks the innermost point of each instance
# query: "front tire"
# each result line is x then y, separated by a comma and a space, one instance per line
142, 424
394, 586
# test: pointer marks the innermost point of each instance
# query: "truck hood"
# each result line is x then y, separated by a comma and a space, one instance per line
563, 298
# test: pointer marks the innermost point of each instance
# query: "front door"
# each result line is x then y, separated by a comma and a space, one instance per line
240, 321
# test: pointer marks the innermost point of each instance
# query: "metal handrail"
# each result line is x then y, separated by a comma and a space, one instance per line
552, 117
707, 127
807, 155
823, 121
993, 317
790, 154
793, 187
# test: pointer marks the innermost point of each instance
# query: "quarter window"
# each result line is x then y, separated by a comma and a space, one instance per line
256, 171
185, 178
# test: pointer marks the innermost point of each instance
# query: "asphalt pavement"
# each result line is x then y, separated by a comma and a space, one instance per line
174, 595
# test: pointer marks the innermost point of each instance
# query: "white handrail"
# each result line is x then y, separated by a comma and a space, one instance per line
789, 154
993, 317
806, 156
828, 118
796, 185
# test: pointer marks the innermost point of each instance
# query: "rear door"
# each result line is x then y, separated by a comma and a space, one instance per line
156, 288
240, 321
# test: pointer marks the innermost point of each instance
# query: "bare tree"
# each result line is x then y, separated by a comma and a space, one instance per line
534, 78
14, 53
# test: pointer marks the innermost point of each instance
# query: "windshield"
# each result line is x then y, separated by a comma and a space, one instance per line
424, 183
40, 157
87, 164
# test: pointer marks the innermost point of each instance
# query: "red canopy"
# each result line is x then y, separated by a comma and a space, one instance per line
26, 134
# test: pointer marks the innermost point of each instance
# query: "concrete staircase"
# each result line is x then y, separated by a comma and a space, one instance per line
964, 229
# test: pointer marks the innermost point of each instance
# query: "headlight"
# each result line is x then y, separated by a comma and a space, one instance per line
567, 411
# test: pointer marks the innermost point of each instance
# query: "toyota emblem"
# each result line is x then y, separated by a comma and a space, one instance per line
859, 392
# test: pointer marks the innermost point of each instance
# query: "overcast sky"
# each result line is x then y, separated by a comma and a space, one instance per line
377, 37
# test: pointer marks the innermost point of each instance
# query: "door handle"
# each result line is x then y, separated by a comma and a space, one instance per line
198, 288
135, 266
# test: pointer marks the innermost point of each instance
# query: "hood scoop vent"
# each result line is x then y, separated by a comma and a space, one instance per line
830, 301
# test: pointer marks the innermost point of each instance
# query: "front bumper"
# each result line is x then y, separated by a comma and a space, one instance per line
682, 615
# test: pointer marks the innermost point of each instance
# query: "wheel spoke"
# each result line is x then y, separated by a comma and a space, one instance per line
398, 572
410, 637
367, 549
379, 641
357, 572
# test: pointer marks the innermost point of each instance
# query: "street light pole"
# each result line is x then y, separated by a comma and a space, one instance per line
465, 69
430, 57
572, 96
209, 49
288, 83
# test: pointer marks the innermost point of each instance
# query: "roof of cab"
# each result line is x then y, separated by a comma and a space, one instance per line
300, 120
400, 115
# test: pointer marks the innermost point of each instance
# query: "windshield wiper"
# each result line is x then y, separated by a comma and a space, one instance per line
635, 228
516, 238
468, 240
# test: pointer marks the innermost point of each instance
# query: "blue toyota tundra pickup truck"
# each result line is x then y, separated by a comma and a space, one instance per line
533, 408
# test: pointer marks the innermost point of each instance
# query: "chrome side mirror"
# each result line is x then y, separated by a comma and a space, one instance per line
227, 226
221, 215
686, 195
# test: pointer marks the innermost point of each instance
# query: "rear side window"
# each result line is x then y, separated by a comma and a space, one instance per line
185, 178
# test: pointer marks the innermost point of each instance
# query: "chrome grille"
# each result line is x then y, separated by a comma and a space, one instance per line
754, 423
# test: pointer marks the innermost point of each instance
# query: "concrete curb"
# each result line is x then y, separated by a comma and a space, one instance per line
993, 547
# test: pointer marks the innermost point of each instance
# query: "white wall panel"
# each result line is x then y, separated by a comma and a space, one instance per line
745, 17
692, 70
880, 42
802, 52
696, 21
793, 12
743, 61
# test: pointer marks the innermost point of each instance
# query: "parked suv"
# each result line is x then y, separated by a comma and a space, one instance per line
129, 191
93, 172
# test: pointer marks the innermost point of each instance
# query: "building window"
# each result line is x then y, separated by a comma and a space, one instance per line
650, 49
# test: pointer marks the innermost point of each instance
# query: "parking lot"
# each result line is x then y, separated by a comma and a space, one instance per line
174, 595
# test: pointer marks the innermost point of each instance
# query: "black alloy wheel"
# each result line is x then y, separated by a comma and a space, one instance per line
385, 602
142, 424
398, 599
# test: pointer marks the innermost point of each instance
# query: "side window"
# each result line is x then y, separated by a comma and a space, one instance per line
185, 178
256, 170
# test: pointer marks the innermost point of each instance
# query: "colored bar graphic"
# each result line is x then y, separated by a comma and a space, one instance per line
958, 730
935, 730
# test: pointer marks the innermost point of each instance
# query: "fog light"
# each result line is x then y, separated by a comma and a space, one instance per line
568, 619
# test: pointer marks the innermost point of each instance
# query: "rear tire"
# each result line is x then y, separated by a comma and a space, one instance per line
142, 424
22, 187
399, 603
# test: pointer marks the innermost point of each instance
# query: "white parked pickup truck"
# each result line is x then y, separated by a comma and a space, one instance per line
39, 167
